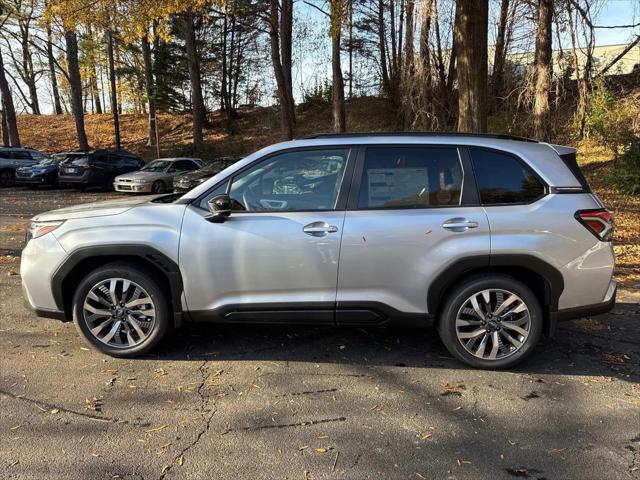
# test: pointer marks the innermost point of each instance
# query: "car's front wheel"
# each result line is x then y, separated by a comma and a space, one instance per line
121, 310
7, 178
491, 321
158, 187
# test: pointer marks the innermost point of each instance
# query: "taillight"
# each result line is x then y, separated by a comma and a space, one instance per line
598, 221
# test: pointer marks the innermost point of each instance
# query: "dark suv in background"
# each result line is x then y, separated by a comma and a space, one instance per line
12, 158
97, 168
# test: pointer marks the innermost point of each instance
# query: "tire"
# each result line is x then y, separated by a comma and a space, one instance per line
460, 317
7, 178
158, 187
91, 302
107, 186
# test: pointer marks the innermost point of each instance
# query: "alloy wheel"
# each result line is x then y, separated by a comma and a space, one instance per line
119, 313
493, 324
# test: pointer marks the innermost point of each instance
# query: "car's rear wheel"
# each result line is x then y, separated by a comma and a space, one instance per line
491, 321
158, 187
7, 178
121, 310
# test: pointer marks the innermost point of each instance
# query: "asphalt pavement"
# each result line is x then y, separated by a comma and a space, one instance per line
273, 402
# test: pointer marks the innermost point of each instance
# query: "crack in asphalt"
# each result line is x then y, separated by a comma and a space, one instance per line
306, 423
204, 406
50, 406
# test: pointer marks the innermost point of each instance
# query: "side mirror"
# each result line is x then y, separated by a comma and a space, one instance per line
220, 208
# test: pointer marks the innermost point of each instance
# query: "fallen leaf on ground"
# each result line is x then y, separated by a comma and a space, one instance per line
181, 460
12, 273
55, 411
321, 450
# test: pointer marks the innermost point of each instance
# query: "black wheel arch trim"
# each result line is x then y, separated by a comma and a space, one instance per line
145, 253
552, 276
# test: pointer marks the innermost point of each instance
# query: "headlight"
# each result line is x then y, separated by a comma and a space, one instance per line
37, 229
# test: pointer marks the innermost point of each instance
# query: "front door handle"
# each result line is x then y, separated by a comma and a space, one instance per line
459, 224
319, 229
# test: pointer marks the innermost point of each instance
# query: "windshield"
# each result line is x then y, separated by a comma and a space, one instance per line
157, 166
77, 160
53, 160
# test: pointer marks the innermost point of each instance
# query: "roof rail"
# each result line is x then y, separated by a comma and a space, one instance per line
499, 136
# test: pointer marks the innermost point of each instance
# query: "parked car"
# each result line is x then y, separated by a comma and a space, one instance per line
12, 158
491, 239
44, 172
156, 176
186, 181
97, 168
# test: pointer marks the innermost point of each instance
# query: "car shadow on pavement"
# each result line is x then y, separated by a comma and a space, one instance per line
604, 345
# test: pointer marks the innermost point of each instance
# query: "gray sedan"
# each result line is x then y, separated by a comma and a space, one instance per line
156, 176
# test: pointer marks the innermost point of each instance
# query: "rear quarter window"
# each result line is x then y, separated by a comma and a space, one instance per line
503, 179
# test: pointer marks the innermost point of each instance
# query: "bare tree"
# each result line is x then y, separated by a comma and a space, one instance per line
472, 17
499, 55
336, 19
197, 102
75, 84
53, 78
148, 83
542, 71
10, 123
280, 21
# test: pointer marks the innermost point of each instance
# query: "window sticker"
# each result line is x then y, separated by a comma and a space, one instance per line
394, 184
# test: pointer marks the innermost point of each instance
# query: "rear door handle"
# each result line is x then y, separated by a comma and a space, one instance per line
319, 229
459, 224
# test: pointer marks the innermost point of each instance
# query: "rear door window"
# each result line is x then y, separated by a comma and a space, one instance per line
503, 179
410, 177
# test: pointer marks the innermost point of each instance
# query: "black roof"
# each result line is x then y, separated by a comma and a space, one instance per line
499, 136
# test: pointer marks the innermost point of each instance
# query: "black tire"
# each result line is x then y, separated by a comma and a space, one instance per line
474, 285
163, 315
158, 187
7, 178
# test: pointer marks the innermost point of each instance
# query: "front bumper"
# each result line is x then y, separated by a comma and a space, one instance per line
131, 187
43, 179
40, 259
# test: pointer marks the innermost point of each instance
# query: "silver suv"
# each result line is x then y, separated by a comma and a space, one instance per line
492, 239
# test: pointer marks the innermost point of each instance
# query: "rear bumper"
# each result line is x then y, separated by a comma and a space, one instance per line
590, 310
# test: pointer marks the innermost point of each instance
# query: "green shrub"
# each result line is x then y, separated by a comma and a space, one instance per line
626, 174
609, 121
320, 95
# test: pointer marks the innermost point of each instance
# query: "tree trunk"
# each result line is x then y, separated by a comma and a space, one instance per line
115, 104
286, 35
426, 104
472, 17
542, 68
339, 117
4, 126
285, 91
499, 55
75, 83
149, 87
27, 72
408, 65
57, 105
8, 110
95, 90
382, 43
197, 102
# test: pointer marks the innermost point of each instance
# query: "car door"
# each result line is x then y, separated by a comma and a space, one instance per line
276, 257
412, 213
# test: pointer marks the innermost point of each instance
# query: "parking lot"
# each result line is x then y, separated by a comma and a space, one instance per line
304, 402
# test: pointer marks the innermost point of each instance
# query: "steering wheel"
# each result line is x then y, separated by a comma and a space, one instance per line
250, 200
